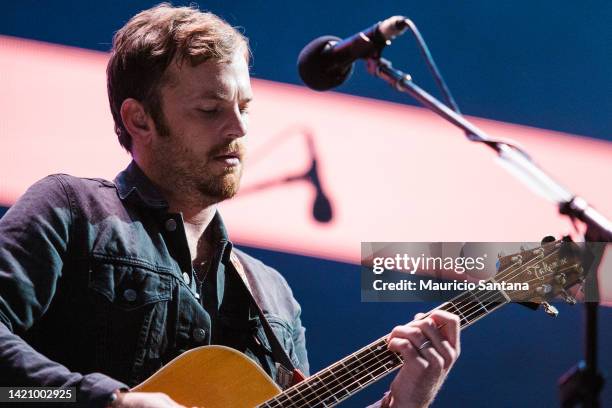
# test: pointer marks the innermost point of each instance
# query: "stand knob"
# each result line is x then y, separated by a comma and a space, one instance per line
568, 298
550, 309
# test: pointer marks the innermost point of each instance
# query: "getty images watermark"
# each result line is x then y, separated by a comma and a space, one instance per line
484, 271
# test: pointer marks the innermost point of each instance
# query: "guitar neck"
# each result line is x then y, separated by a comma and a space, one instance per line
339, 381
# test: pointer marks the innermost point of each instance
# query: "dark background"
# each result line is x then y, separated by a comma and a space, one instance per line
537, 63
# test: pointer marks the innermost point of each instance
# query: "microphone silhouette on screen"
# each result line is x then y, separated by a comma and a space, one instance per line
322, 210
321, 206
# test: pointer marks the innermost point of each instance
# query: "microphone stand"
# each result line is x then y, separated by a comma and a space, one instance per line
583, 384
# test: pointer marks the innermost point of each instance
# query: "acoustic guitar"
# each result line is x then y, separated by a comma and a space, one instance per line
220, 377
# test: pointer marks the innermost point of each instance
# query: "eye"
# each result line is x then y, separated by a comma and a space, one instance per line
209, 111
244, 108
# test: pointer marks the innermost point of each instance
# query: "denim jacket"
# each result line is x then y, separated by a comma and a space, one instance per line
97, 289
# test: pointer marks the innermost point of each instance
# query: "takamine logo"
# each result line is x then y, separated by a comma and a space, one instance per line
411, 264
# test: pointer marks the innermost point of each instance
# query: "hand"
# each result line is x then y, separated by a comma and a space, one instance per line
429, 347
144, 400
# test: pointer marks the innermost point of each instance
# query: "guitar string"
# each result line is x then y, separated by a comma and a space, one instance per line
368, 366
341, 380
518, 272
488, 301
381, 364
329, 370
364, 382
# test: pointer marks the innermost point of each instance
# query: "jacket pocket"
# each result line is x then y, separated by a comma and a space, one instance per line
130, 310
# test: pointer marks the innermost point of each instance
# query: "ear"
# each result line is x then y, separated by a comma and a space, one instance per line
137, 121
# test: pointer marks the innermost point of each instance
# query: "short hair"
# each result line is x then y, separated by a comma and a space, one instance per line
144, 48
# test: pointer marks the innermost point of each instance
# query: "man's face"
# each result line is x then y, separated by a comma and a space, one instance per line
205, 111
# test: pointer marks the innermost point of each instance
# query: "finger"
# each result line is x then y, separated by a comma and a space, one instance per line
420, 342
407, 350
449, 353
419, 316
449, 325
421, 333
440, 344
410, 332
435, 362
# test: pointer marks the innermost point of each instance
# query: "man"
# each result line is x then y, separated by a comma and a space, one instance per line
108, 281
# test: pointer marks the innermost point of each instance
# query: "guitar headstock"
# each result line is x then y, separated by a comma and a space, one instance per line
549, 271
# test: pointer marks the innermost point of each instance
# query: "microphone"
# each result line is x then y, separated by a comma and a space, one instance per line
321, 206
327, 61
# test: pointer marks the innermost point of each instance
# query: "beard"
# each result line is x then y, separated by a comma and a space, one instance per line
221, 187
186, 173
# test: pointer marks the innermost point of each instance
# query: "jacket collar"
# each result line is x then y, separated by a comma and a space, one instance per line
133, 184
218, 230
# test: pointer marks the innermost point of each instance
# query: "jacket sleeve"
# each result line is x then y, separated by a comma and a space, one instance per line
34, 240
299, 340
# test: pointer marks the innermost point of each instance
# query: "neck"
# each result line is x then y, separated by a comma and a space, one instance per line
196, 219
197, 210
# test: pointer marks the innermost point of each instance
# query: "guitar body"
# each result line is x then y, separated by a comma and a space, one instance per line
212, 377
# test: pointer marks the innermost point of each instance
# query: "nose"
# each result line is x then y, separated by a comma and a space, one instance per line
237, 124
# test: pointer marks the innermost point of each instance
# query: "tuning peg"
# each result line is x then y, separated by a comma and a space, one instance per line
561, 278
550, 309
568, 298
544, 289
518, 259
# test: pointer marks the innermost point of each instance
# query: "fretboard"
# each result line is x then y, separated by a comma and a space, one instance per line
339, 381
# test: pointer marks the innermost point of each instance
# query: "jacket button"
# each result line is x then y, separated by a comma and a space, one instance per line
170, 225
186, 278
199, 335
130, 295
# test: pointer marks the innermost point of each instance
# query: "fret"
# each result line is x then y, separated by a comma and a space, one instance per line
311, 391
342, 373
450, 307
471, 306
347, 376
330, 401
473, 295
499, 297
323, 385
354, 364
313, 383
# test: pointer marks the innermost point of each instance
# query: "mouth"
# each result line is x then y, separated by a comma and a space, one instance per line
229, 158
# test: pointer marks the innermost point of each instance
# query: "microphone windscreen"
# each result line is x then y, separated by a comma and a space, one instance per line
317, 70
